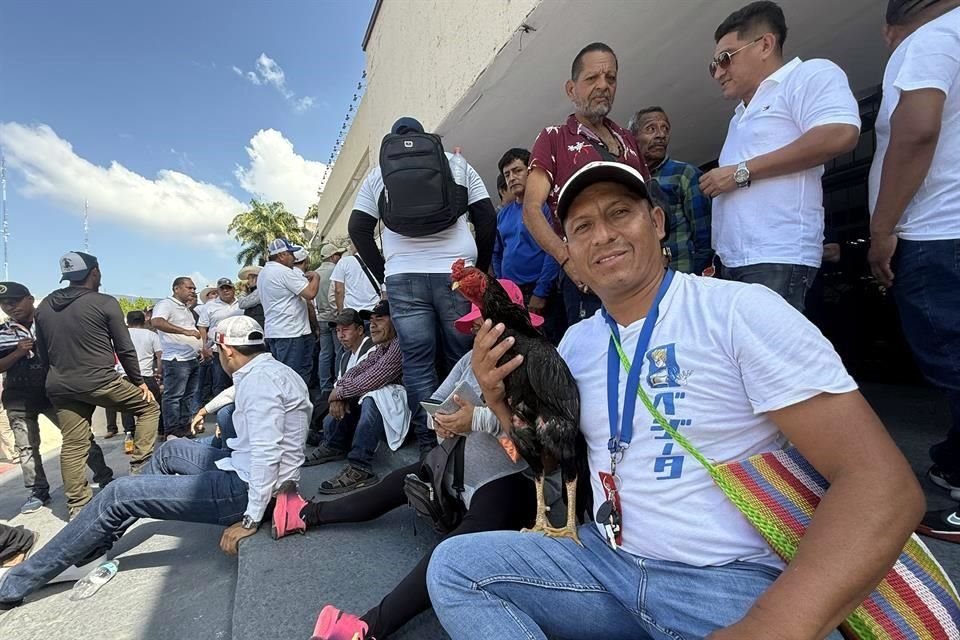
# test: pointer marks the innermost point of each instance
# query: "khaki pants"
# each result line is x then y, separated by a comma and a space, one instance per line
74, 413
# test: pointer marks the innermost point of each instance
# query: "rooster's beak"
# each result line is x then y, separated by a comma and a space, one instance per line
455, 286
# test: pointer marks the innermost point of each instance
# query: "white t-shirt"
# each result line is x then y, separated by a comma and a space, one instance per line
146, 343
780, 219
929, 58
176, 346
721, 356
214, 312
284, 311
358, 293
430, 254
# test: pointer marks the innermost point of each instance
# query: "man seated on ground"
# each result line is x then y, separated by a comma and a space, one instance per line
349, 327
496, 495
741, 372
192, 482
368, 405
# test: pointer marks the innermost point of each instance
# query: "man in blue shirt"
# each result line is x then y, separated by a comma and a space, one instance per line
518, 257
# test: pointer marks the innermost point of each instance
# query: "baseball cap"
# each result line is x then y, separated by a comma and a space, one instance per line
464, 324
76, 266
300, 255
406, 123
13, 291
347, 317
238, 331
382, 308
600, 171
225, 282
328, 250
280, 245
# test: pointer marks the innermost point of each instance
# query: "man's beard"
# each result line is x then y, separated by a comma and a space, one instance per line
593, 112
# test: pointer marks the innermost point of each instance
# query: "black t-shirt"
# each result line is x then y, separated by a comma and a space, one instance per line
23, 383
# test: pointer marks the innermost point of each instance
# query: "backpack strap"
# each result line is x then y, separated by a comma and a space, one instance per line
366, 271
458, 466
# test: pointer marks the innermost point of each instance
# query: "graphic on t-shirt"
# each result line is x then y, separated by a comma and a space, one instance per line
665, 372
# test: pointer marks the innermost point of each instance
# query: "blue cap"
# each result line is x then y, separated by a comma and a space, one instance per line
405, 124
280, 245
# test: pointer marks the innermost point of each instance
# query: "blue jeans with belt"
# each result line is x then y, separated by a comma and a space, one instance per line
791, 281
296, 353
926, 287
180, 482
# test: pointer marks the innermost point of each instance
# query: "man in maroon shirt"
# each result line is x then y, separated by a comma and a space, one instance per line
560, 150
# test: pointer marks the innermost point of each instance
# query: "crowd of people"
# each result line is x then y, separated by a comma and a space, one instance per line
694, 281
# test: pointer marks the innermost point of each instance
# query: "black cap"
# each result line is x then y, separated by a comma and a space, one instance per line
225, 282
600, 171
76, 266
346, 318
406, 124
382, 308
13, 291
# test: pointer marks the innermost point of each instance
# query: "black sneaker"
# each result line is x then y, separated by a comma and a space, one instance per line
349, 478
323, 454
943, 525
938, 476
314, 438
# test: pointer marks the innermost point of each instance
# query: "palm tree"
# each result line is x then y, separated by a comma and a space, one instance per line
254, 229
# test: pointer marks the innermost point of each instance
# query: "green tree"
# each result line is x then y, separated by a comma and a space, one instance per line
141, 303
254, 229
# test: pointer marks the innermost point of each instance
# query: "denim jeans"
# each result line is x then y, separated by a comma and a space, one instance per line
423, 309
296, 353
577, 304
181, 482
791, 281
204, 385
227, 430
325, 360
926, 287
220, 378
517, 585
181, 380
360, 432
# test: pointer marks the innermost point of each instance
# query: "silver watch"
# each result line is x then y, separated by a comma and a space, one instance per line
742, 175
249, 523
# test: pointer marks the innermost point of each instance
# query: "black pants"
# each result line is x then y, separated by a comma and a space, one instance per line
505, 504
13, 541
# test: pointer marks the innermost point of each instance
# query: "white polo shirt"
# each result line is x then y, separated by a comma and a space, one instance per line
780, 220
430, 254
212, 313
358, 292
929, 58
284, 311
176, 346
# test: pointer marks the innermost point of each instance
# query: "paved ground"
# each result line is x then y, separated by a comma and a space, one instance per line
175, 584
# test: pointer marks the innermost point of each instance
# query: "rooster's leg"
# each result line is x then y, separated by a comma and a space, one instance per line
541, 524
570, 530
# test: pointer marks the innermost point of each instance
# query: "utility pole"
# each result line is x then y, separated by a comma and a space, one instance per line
86, 228
3, 206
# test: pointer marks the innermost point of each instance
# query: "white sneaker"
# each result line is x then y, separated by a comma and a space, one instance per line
74, 573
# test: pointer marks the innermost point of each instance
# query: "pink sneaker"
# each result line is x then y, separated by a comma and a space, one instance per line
286, 512
336, 625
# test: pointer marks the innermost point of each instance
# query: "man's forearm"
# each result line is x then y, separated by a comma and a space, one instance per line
485, 227
338, 295
815, 147
11, 359
161, 324
541, 230
361, 228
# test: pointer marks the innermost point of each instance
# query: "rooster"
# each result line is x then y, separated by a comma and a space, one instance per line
541, 393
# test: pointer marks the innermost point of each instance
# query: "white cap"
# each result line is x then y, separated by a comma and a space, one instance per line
238, 331
300, 255
280, 245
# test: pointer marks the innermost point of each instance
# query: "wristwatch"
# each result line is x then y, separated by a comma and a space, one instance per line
742, 175
249, 523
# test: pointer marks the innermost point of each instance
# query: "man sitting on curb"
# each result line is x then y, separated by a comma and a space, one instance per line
192, 482
367, 405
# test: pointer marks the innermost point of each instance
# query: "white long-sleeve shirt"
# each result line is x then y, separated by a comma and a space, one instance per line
272, 415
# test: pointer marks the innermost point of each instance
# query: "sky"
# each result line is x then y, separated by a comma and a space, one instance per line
167, 118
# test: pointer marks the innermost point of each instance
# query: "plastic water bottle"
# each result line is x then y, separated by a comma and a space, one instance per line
458, 166
100, 576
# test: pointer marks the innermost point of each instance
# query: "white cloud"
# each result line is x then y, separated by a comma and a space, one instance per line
268, 71
277, 172
172, 203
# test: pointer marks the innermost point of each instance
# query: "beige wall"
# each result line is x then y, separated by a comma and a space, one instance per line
422, 57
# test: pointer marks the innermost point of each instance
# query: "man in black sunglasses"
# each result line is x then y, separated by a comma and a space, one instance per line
791, 118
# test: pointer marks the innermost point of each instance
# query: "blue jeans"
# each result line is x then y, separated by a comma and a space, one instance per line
204, 386
181, 482
519, 585
791, 281
926, 288
181, 381
296, 353
577, 304
325, 361
227, 430
220, 379
360, 432
423, 309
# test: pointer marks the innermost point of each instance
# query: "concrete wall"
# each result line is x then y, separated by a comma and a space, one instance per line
422, 58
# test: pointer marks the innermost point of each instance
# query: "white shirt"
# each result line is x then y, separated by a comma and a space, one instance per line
147, 344
214, 312
176, 346
271, 418
430, 254
929, 58
722, 355
780, 220
284, 311
358, 292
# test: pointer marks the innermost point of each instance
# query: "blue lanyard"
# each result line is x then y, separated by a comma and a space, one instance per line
620, 435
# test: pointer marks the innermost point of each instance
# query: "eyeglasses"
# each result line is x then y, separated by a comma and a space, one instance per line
723, 60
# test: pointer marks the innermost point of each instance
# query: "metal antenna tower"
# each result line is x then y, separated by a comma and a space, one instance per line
3, 206
86, 228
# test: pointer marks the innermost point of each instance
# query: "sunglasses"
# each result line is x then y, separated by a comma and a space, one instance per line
723, 60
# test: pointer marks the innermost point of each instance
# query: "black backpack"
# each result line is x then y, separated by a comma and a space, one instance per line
420, 196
